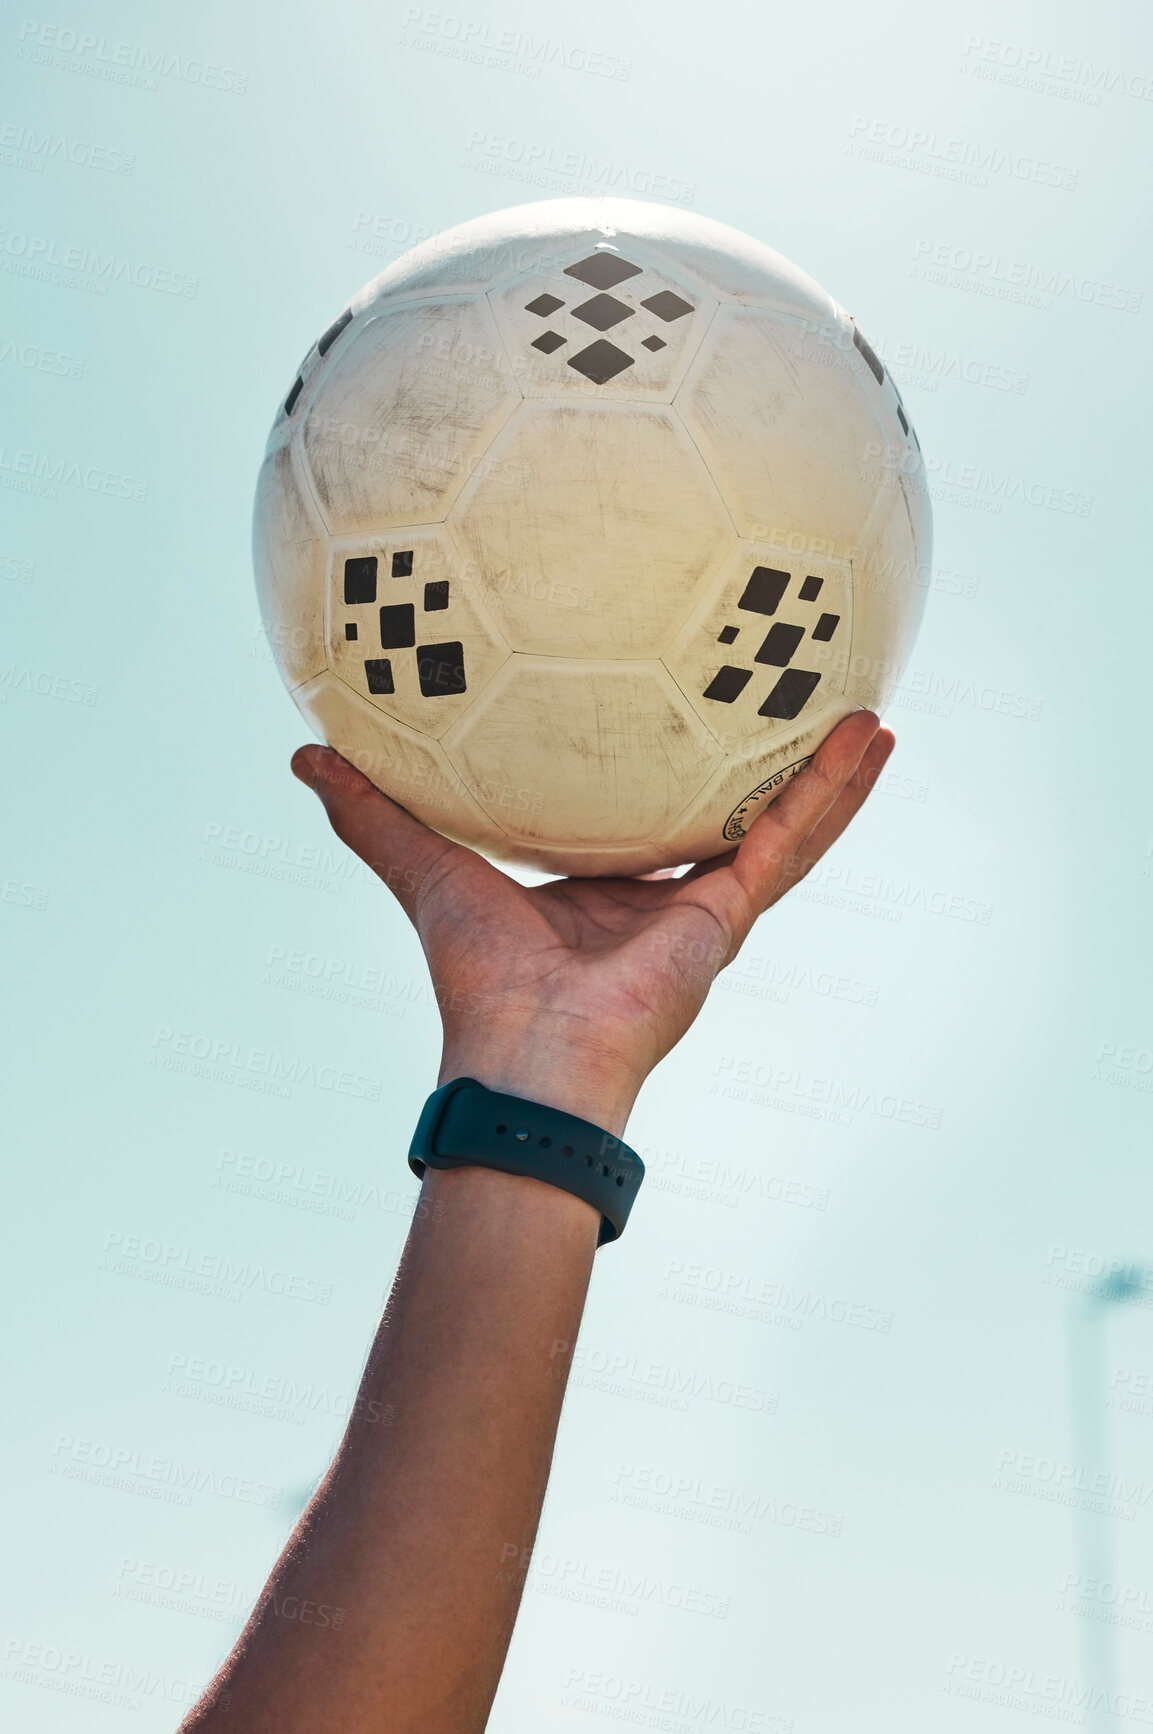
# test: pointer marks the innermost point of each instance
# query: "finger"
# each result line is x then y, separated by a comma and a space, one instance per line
713, 865
845, 808
765, 856
737, 887
398, 848
784, 802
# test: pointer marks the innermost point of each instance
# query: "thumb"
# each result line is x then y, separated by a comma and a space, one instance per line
399, 849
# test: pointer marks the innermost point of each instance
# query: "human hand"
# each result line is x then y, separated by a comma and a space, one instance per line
570, 992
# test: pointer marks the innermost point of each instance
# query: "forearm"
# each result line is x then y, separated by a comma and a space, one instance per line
436, 1490
437, 1487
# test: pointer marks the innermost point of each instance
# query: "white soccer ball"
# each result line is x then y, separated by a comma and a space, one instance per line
583, 525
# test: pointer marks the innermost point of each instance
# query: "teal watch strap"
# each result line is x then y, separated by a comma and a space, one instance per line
465, 1125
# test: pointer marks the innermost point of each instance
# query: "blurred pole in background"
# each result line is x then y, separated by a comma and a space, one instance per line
1089, 1429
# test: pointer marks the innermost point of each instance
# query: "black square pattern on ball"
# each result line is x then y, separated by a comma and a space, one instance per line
397, 626
360, 579
763, 592
727, 634
811, 589
791, 694
378, 673
870, 357
436, 595
602, 270
351, 630
653, 343
543, 305
402, 564
440, 668
325, 343
728, 684
667, 306
780, 645
602, 312
601, 361
548, 341
825, 627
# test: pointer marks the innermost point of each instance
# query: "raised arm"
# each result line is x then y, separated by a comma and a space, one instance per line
391, 1608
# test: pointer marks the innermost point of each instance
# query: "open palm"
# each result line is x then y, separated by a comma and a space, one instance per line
587, 981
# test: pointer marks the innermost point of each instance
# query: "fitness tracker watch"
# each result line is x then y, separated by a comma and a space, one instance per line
465, 1125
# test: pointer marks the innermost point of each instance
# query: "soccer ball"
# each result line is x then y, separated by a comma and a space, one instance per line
582, 526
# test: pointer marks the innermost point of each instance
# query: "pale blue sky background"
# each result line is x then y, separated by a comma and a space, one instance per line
971, 949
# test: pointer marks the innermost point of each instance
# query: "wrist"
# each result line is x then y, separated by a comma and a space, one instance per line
578, 1081
466, 1122
515, 1211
